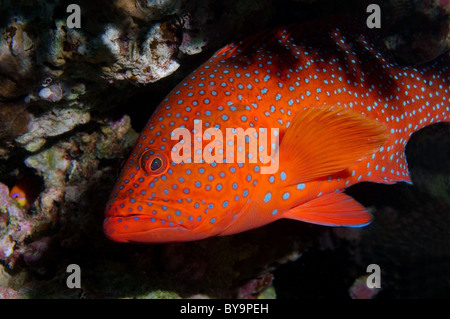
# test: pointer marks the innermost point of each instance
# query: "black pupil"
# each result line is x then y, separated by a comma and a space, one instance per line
156, 163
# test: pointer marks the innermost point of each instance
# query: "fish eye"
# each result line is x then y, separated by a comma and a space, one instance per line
153, 163
156, 164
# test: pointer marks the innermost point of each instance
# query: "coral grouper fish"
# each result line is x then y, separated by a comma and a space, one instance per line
333, 111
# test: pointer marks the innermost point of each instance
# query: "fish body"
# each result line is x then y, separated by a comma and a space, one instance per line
343, 113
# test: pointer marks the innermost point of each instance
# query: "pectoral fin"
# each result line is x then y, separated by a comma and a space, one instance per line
323, 141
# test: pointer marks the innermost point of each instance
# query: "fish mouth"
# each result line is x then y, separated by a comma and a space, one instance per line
141, 229
150, 226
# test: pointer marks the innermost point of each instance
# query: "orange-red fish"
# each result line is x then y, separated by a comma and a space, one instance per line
338, 110
25, 191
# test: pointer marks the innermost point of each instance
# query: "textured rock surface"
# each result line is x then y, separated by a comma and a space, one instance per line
417, 31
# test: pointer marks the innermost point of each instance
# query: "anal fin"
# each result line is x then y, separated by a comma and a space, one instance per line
334, 209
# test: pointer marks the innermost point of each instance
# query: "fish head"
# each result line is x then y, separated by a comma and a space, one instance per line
158, 199
26, 190
19, 196
140, 205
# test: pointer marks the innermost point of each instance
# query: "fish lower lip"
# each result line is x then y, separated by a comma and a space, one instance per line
143, 229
